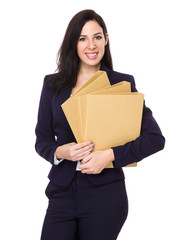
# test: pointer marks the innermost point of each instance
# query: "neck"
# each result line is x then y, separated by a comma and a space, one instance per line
87, 71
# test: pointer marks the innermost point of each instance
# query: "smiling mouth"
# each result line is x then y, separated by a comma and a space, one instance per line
92, 55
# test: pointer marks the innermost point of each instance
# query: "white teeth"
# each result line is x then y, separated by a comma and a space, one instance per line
91, 55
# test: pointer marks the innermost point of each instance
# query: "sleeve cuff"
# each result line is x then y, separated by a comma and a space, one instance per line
57, 161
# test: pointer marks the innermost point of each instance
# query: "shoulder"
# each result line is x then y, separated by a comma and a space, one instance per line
49, 81
115, 77
54, 84
49, 78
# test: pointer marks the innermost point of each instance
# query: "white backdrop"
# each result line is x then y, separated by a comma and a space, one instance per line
144, 42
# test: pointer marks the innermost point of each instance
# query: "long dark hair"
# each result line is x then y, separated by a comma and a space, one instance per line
68, 62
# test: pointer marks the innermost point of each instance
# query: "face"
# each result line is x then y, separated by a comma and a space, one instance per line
91, 44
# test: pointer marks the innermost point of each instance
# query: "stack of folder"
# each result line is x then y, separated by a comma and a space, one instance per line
109, 115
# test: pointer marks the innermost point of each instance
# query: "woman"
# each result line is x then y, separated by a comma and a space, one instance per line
86, 200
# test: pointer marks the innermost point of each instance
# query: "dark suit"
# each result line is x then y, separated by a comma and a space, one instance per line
82, 201
52, 122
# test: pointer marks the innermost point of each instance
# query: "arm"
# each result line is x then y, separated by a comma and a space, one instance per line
45, 138
149, 142
46, 144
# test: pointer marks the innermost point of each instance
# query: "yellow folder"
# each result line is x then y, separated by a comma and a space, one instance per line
111, 120
116, 88
109, 115
70, 107
82, 107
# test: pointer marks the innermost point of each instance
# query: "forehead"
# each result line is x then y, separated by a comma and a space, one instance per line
90, 28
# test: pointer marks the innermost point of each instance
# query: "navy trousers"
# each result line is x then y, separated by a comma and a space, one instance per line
83, 211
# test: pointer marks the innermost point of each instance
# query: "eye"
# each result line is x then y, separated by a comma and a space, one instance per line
82, 39
98, 37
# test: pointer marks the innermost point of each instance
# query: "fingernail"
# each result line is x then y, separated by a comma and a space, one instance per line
93, 145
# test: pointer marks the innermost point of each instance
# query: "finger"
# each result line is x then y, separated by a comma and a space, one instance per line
84, 145
85, 171
83, 166
80, 154
87, 158
83, 154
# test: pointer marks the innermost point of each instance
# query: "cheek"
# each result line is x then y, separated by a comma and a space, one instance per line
102, 48
80, 47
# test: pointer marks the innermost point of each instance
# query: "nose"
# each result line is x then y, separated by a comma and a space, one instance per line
91, 44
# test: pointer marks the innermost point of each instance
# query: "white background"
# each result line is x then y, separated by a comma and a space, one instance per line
144, 42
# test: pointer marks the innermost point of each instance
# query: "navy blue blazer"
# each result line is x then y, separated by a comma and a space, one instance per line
52, 130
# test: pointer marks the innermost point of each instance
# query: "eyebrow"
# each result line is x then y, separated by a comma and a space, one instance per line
94, 34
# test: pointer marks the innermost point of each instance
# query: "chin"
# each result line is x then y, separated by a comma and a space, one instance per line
93, 63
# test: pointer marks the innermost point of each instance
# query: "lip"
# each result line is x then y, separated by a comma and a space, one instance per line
92, 55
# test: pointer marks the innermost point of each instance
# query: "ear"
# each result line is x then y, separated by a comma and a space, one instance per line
106, 39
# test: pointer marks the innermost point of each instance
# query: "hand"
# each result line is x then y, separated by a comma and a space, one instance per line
74, 151
95, 162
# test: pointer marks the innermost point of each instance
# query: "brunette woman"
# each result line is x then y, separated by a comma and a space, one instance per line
86, 200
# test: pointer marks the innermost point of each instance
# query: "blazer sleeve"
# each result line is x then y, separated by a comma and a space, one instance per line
45, 137
149, 142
